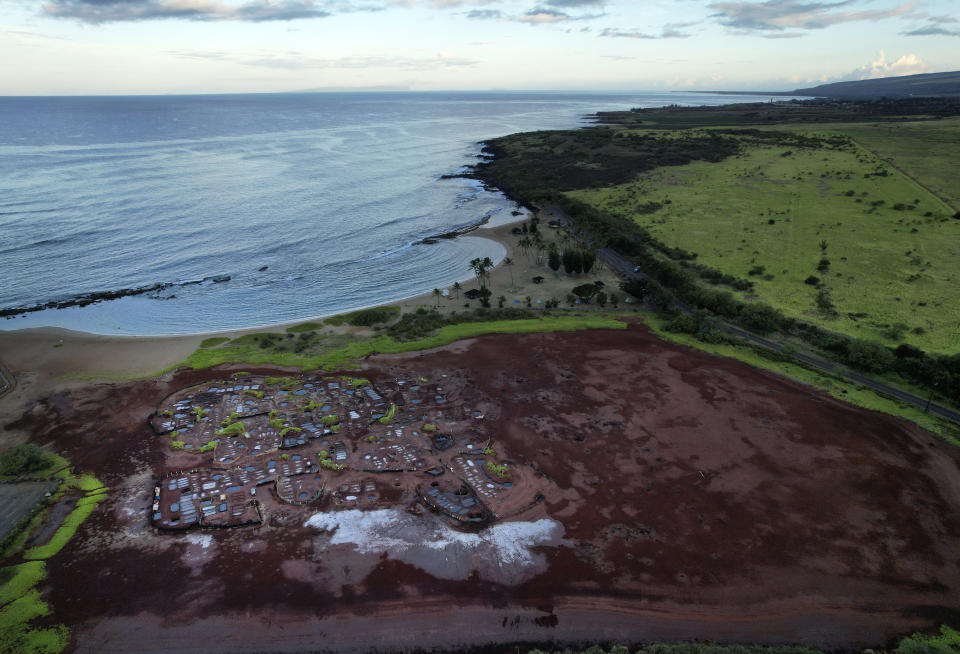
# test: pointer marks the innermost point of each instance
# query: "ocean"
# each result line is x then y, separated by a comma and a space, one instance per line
311, 203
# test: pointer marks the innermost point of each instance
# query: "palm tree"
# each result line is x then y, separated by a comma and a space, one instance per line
508, 262
479, 269
436, 294
456, 289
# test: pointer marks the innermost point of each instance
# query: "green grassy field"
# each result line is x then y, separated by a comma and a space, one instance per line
248, 349
892, 246
924, 150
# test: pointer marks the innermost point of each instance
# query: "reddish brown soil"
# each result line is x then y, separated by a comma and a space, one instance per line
700, 498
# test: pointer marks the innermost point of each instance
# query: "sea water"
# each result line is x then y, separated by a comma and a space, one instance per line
310, 203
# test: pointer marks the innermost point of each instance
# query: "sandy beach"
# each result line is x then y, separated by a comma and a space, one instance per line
46, 360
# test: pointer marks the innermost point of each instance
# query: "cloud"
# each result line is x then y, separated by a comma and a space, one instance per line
484, 14
539, 15
933, 27
107, 11
551, 11
576, 3
669, 31
908, 64
778, 15
626, 34
931, 30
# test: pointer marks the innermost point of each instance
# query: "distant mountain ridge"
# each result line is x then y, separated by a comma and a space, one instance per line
928, 84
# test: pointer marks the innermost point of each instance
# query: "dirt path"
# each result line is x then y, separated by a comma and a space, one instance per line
696, 497
903, 172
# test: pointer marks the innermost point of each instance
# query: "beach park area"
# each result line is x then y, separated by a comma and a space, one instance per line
542, 488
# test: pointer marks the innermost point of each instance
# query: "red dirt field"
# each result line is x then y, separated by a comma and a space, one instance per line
694, 497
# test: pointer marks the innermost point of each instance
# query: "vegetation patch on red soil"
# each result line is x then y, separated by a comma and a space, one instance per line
683, 496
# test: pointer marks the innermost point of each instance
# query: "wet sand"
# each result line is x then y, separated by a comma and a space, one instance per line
697, 498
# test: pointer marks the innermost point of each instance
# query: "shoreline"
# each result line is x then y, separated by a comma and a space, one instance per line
273, 326
47, 360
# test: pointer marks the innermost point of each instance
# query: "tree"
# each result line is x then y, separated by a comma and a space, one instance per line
576, 261
485, 297
524, 245
477, 267
761, 318
436, 294
553, 260
588, 258
508, 262
602, 299
586, 291
456, 289
481, 268
568, 256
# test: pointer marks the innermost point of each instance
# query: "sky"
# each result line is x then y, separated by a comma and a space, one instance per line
87, 47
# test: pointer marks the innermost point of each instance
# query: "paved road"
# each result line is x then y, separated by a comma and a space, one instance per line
624, 267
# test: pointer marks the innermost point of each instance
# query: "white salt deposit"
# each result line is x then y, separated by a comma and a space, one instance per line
501, 553
203, 540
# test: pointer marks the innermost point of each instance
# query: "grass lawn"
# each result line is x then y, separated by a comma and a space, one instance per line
893, 249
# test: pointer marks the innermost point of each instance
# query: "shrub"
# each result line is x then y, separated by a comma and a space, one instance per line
946, 642
812, 280
499, 470
682, 323
368, 317
385, 420
234, 429
27, 457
